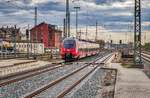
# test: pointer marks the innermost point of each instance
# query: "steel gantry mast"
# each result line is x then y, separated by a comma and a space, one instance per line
137, 33
67, 19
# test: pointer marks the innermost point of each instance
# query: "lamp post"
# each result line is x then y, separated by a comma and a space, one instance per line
77, 9
35, 42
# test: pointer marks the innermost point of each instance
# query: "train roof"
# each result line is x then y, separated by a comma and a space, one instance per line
70, 38
73, 38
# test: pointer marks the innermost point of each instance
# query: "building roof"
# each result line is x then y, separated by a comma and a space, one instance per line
50, 26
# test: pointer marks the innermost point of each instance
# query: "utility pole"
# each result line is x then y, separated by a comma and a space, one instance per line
15, 40
1, 41
64, 27
145, 38
86, 32
35, 42
80, 34
77, 9
96, 31
137, 34
67, 19
27, 36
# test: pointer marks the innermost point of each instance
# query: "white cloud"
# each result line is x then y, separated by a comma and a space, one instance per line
127, 3
55, 16
146, 23
20, 12
46, 1
39, 1
120, 14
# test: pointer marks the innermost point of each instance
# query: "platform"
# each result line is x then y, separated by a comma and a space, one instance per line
131, 83
10, 62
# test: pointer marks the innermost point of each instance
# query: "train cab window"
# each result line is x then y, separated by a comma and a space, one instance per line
69, 44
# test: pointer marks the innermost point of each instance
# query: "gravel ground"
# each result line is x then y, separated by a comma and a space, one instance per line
91, 87
87, 88
20, 88
58, 88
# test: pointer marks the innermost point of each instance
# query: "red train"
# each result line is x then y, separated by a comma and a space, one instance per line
73, 48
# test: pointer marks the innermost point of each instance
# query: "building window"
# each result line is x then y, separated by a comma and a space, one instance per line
41, 37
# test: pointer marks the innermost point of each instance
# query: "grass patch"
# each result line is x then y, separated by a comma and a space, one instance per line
127, 62
127, 65
147, 46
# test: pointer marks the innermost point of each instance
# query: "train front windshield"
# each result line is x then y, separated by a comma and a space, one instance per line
69, 44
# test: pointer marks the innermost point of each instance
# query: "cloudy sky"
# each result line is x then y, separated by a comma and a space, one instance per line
112, 15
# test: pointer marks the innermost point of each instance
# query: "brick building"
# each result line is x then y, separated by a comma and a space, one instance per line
47, 34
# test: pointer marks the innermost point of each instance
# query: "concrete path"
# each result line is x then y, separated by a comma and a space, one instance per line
131, 83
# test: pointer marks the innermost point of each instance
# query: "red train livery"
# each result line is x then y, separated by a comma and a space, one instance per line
72, 48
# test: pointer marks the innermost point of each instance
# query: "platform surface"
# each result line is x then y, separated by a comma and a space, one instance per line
131, 83
10, 62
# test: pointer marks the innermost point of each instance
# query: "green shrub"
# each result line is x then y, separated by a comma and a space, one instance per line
147, 46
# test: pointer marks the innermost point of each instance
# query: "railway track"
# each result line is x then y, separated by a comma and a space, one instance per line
14, 77
9, 89
9, 70
26, 74
146, 52
146, 57
70, 80
17, 69
34, 79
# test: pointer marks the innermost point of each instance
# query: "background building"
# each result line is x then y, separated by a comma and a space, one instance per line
24, 47
6, 47
7, 34
47, 34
